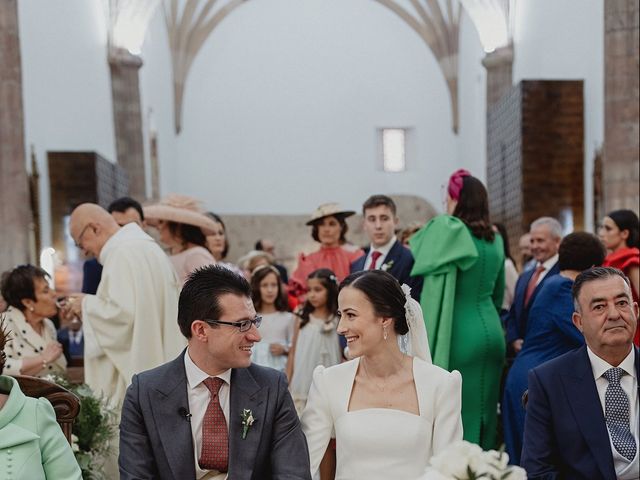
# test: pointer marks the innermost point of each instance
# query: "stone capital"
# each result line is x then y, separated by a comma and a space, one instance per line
500, 57
123, 57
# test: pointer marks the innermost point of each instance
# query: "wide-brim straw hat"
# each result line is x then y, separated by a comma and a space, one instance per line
245, 260
328, 210
180, 209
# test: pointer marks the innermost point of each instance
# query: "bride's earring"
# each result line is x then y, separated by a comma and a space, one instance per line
384, 332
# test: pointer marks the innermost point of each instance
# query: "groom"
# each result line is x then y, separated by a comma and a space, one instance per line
210, 413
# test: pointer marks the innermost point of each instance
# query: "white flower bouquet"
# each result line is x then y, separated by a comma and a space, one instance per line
467, 461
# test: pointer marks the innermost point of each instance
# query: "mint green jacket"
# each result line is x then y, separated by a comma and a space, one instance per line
32, 445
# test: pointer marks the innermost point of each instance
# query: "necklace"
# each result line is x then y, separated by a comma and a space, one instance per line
380, 387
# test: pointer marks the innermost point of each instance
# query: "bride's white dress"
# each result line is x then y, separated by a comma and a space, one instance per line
381, 443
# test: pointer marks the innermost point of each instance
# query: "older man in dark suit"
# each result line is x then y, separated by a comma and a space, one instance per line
582, 420
210, 413
545, 237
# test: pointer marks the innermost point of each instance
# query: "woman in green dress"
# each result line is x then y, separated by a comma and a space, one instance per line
462, 261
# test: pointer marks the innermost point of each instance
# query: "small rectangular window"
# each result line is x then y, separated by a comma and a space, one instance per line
393, 149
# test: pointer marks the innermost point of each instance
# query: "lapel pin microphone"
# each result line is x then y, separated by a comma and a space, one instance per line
183, 412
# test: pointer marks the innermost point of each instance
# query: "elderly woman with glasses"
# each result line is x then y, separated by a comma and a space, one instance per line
34, 350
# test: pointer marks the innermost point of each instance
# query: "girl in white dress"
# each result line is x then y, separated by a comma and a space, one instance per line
390, 412
277, 322
315, 339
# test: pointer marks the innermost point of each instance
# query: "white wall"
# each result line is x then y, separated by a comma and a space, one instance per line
156, 96
283, 101
565, 40
66, 84
472, 94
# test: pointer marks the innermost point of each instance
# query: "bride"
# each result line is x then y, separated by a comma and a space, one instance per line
390, 412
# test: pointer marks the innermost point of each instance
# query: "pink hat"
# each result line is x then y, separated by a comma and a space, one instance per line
180, 209
455, 183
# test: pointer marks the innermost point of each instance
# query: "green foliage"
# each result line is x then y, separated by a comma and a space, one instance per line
93, 429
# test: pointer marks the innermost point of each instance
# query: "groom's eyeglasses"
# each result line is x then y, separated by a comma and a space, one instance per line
242, 325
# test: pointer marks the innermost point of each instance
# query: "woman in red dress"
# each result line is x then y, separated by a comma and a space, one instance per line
329, 227
619, 233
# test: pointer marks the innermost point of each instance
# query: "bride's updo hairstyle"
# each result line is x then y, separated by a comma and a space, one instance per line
384, 293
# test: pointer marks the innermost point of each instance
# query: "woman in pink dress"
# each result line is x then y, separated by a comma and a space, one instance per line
329, 227
182, 227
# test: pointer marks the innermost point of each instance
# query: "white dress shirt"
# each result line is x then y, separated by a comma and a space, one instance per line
199, 397
384, 250
75, 337
625, 470
548, 265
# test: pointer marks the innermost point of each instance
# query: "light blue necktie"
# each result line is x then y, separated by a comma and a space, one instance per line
616, 406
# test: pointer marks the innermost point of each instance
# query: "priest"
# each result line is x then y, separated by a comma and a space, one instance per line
130, 324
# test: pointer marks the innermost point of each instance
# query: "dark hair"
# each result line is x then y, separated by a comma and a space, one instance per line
4, 338
330, 283
200, 295
473, 208
125, 203
344, 228
258, 246
626, 220
259, 274
384, 293
187, 233
378, 200
592, 274
580, 251
217, 218
502, 230
19, 283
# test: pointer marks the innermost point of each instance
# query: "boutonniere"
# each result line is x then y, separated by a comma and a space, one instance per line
247, 421
386, 266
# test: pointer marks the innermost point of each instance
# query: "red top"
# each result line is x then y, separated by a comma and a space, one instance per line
336, 259
624, 259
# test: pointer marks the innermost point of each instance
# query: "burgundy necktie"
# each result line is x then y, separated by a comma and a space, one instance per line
215, 438
375, 255
533, 283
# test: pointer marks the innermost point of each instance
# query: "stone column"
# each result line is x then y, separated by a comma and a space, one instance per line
499, 65
127, 117
620, 156
15, 211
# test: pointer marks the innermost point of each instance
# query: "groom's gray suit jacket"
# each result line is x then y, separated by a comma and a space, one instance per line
155, 433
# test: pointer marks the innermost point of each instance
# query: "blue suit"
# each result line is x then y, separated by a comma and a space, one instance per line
91, 276
400, 262
565, 434
550, 333
516, 320
70, 349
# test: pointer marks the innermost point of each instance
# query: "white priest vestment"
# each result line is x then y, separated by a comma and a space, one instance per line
130, 324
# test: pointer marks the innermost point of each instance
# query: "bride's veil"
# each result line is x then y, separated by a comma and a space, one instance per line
415, 342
